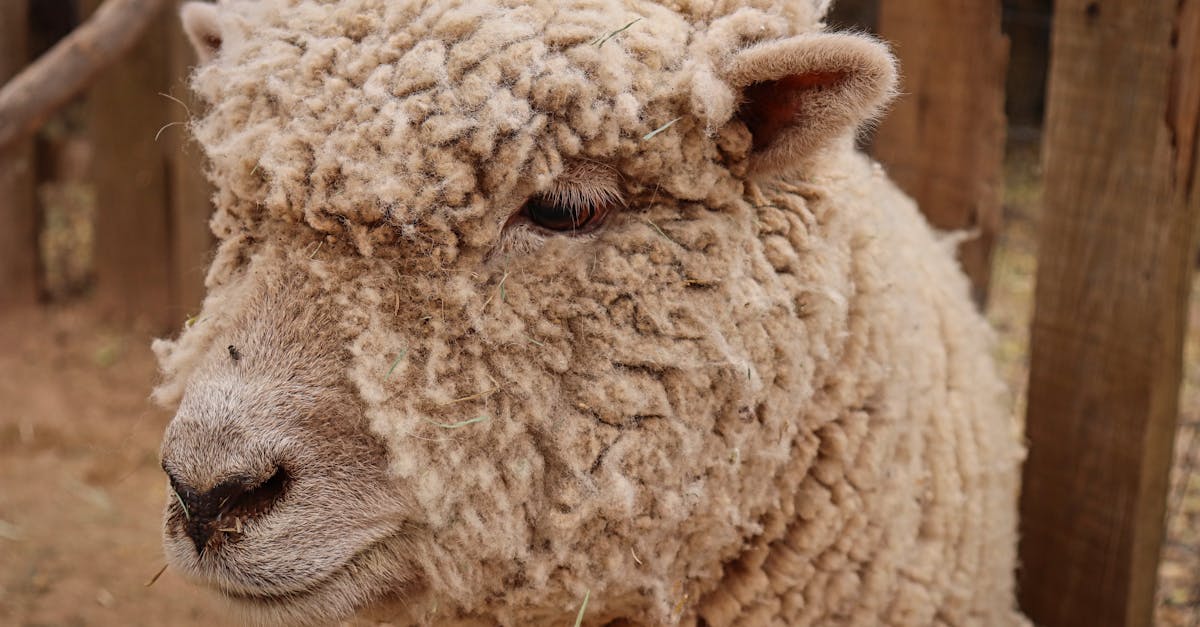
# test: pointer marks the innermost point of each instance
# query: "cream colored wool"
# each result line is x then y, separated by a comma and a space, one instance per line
758, 395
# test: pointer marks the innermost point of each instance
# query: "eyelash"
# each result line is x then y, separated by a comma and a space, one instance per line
570, 210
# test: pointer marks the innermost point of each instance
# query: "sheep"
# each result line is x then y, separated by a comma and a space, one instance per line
530, 311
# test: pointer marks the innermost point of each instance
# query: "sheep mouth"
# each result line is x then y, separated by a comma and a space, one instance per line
230, 570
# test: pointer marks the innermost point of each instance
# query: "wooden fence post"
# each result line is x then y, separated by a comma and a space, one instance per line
133, 248
943, 141
1118, 242
18, 217
191, 194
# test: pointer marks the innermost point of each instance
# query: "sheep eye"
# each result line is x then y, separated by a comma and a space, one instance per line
556, 214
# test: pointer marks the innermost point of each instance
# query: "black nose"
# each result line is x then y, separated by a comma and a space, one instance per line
226, 507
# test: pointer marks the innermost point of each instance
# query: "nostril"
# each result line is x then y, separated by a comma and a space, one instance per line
226, 507
253, 501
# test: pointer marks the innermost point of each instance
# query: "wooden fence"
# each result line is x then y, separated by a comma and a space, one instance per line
1118, 238
151, 240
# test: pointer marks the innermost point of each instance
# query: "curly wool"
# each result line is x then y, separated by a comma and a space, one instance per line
742, 402
368, 118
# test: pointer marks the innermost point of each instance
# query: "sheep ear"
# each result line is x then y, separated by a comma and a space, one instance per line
801, 94
202, 28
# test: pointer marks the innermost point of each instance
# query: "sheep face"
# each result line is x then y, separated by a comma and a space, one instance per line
279, 494
501, 314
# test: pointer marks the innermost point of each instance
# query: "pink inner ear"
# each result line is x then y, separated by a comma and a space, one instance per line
771, 107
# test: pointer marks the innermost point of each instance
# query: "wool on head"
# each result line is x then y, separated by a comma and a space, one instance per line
367, 117
759, 395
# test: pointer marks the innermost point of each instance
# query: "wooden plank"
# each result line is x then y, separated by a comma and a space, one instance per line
1118, 243
18, 216
943, 141
191, 194
133, 252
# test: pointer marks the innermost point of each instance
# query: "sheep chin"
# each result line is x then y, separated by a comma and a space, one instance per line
366, 578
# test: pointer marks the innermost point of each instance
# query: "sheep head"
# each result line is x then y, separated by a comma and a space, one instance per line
512, 302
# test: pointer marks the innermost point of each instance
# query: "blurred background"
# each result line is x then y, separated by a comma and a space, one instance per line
104, 245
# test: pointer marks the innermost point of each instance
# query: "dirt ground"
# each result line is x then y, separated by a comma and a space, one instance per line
80, 487
81, 491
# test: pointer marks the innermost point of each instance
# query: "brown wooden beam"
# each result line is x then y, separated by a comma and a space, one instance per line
1117, 248
18, 216
943, 141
